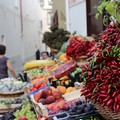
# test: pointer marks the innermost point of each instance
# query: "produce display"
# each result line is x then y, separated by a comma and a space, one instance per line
8, 102
10, 86
40, 73
34, 73
111, 36
56, 37
25, 112
38, 85
81, 107
57, 107
59, 54
40, 117
64, 46
38, 63
78, 47
69, 80
103, 72
62, 50
64, 57
63, 81
64, 69
74, 108
18, 112
50, 94
53, 86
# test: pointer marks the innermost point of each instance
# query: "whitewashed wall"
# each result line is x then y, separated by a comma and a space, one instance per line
76, 16
21, 48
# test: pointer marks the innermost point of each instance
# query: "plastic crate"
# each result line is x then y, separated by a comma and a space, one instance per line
93, 116
32, 93
27, 90
61, 116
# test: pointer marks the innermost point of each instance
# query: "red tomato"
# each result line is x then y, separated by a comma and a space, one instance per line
31, 89
39, 84
36, 86
34, 89
43, 85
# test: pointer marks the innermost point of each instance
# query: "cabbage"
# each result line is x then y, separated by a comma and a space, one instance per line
64, 46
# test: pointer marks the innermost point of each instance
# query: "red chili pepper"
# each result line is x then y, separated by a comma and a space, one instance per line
98, 79
103, 91
103, 104
104, 84
84, 93
110, 102
107, 99
97, 99
103, 95
88, 95
114, 62
114, 66
103, 72
116, 98
108, 64
115, 93
117, 85
117, 108
114, 106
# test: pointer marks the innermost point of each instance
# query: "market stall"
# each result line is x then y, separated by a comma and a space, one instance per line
53, 89
82, 83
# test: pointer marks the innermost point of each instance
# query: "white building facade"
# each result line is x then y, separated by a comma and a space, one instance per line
22, 24
76, 16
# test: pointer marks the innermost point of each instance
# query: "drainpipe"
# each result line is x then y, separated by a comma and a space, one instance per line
21, 18
21, 32
68, 26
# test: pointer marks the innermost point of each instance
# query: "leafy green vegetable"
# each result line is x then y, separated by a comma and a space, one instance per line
56, 37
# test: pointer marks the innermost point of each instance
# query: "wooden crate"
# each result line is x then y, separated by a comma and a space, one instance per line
81, 60
40, 109
4, 109
12, 94
108, 115
73, 95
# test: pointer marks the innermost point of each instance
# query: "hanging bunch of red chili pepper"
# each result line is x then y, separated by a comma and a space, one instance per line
102, 77
111, 36
78, 47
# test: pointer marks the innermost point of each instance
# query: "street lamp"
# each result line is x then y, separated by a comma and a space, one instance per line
41, 3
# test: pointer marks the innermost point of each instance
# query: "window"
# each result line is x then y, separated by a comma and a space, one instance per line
49, 18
